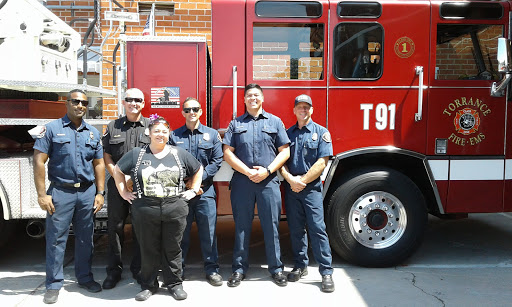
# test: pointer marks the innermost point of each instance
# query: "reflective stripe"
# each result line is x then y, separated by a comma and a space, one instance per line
471, 169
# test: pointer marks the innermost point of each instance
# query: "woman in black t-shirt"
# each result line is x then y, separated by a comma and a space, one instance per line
159, 205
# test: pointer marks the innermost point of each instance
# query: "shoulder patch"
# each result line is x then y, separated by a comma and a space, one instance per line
206, 137
37, 132
326, 137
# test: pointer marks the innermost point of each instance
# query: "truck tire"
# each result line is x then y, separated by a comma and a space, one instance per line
376, 217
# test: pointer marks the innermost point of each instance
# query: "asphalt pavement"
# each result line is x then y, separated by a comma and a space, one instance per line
465, 262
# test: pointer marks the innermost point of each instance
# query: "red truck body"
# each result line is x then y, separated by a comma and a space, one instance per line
403, 86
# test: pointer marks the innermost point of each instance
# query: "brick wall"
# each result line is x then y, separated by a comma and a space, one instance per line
191, 18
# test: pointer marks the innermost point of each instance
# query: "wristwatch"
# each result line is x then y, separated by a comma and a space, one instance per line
102, 193
269, 172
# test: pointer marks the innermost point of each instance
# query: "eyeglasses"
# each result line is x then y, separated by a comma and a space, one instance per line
135, 100
188, 110
75, 102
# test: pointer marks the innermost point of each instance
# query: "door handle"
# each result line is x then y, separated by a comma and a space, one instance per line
235, 75
419, 72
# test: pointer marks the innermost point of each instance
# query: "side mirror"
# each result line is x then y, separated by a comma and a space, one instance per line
504, 66
504, 55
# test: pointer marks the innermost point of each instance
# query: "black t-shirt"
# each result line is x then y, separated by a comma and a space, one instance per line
159, 177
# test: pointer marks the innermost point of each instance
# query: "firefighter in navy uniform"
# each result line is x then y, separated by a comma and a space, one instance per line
205, 145
310, 150
77, 175
256, 146
121, 136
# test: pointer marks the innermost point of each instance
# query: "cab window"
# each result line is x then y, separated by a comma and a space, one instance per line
358, 51
467, 52
288, 51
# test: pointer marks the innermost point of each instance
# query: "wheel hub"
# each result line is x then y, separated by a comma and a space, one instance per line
377, 219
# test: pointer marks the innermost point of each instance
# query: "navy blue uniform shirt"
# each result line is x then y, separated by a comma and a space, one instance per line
70, 150
204, 144
256, 140
307, 145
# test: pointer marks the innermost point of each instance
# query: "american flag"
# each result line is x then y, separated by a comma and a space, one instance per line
149, 25
166, 97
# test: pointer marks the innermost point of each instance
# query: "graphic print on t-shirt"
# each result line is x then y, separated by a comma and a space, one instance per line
161, 181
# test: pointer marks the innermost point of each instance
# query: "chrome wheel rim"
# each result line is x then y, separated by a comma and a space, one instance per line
377, 219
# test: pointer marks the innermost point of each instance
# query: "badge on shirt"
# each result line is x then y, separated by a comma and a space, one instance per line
91, 135
206, 137
146, 162
326, 137
146, 132
314, 137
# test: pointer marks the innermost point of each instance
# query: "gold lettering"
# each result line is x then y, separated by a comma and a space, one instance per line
463, 101
451, 106
446, 112
457, 140
478, 103
457, 103
476, 139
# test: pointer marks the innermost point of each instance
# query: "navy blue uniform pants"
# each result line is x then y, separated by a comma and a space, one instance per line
305, 210
159, 224
203, 209
71, 206
267, 196
118, 211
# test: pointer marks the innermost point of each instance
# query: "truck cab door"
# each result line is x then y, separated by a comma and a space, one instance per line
286, 54
466, 125
374, 89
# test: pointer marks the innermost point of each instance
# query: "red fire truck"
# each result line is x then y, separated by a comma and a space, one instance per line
411, 91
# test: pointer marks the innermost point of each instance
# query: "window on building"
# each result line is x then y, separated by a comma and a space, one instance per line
358, 51
288, 51
467, 52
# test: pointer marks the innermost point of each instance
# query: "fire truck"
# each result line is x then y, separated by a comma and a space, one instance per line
414, 94
38, 60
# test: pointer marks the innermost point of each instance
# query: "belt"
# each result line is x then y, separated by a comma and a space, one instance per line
73, 185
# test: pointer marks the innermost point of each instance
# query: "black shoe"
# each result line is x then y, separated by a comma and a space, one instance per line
235, 279
143, 295
111, 281
297, 273
135, 276
51, 296
327, 283
214, 279
177, 292
279, 279
91, 286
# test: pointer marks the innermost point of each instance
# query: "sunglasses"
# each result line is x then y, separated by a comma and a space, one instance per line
188, 110
75, 102
136, 100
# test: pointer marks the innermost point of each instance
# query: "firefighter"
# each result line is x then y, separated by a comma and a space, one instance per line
121, 136
310, 150
205, 145
77, 175
256, 146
